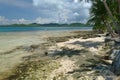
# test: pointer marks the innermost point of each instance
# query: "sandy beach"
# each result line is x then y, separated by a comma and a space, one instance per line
59, 39
15, 45
50, 55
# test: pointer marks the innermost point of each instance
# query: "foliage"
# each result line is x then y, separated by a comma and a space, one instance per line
99, 16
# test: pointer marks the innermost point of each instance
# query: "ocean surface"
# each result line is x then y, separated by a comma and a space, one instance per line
24, 29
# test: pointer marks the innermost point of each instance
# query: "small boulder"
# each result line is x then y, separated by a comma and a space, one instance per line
114, 54
115, 67
46, 53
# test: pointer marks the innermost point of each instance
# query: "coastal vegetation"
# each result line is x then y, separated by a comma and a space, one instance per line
49, 25
105, 15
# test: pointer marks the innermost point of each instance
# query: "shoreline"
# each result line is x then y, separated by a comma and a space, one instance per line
12, 55
38, 53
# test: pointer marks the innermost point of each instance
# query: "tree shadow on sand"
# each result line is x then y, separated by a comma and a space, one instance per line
94, 68
87, 44
69, 52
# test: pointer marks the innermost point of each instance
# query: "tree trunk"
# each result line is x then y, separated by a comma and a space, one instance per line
119, 16
107, 8
119, 6
110, 29
114, 24
107, 26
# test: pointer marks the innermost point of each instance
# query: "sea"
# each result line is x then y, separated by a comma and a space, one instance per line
10, 37
25, 29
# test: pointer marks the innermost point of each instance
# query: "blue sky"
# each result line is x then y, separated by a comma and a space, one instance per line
43, 11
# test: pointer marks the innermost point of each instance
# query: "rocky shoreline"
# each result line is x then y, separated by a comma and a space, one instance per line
76, 57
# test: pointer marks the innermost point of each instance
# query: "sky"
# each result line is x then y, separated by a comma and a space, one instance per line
43, 11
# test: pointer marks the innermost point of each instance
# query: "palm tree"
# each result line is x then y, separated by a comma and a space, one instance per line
111, 22
112, 8
97, 16
114, 13
119, 6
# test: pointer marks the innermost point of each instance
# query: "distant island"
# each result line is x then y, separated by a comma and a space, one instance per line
49, 25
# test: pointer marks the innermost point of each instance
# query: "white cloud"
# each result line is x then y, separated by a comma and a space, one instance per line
39, 20
76, 1
3, 21
35, 2
63, 10
44, 20
86, 4
23, 21
53, 2
76, 14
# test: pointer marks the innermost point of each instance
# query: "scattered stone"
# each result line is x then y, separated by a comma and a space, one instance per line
34, 46
115, 67
114, 54
109, 42
46, 53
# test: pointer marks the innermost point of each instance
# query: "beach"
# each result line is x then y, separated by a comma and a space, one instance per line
60, 40
11, 42
50, 55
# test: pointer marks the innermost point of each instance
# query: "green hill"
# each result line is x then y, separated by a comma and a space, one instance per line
49, 25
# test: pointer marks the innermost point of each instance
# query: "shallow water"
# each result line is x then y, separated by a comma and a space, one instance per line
11, 40
23, 29
11, 37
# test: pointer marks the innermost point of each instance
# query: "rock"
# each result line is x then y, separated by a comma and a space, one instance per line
114, 54
115, 67
107, 34
112, 41
109, 42
46, 53
107, 39
117, 42
34, 46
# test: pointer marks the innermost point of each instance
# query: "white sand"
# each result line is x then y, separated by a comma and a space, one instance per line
93, 45
67, 65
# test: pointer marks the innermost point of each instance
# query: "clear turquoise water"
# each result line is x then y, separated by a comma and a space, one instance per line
22, 29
